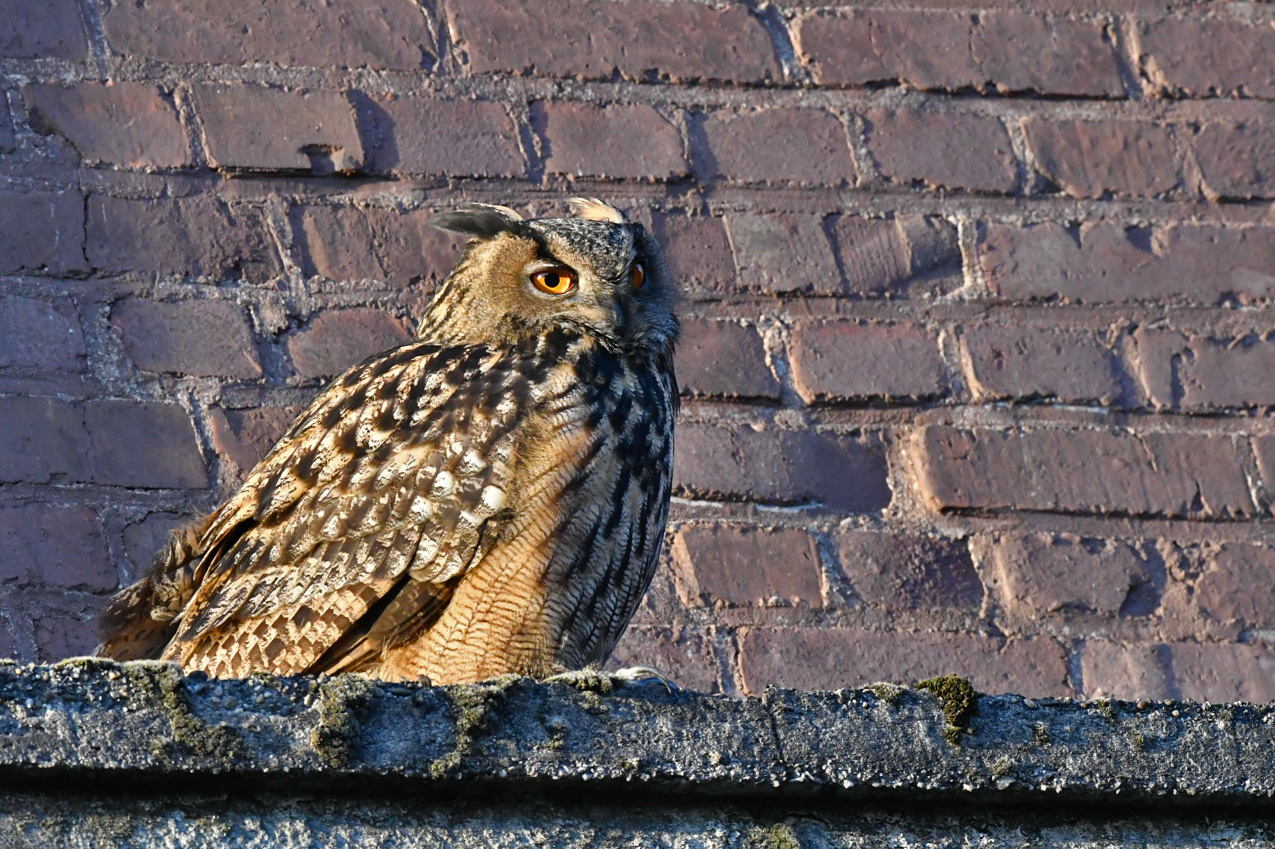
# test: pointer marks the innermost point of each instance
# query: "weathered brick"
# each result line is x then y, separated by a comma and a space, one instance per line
781, 466
723, 359
8, 142
637, 39
909, 572
56, 546
582, 139
1028, 362
943, 149
259, 128
65, 627
203, 337
1203, 56
697, 250
741, 566
120, 123
43, 335
362, 243
1089, 159
378, 34
828, 658
1224, 672
1049, 573
455, 138
333, 341
1067, 56
1083, 471
1100, 262
1120, 671
42, 232
43, 440
245, 436
683, 654
951, 49
1235, 586
197, 236
143, 444
774, 145
1264, 448
48, 29
1210, 373
783, 253
843, 361
877, 254
1237, 161
145, 539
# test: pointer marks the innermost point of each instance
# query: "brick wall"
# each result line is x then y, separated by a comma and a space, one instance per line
978, 357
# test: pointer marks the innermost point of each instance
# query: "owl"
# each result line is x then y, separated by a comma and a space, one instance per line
488, 499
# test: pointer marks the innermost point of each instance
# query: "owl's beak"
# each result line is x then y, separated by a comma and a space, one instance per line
621, 316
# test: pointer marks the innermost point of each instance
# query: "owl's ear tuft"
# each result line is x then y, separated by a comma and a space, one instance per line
480, 220
593, 209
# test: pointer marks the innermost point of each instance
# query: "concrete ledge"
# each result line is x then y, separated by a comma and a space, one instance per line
157, 743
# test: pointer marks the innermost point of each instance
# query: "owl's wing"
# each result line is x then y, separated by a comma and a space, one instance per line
392, 482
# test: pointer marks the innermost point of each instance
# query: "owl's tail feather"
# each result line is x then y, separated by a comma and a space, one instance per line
141, 619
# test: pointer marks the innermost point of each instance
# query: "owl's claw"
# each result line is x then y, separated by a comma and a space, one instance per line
605, 682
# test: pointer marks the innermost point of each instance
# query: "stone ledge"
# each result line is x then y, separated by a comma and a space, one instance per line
147, 722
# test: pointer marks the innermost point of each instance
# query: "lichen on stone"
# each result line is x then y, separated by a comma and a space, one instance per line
959, 700
340, 700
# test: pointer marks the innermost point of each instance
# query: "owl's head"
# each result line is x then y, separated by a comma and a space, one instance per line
596, 273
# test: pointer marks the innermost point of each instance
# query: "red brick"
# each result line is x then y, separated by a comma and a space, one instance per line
454, 138
197, 236
48, 29
845, 473
57, 546
1203, 56
1219, 373
1031, 362
582, 139
42, 335
828, 658
1041, 573
1235, 587
774, 145
742, 566
723, 359
1125, 672
333, 341
65, 627
1100, 262
1224, 672
202, 337
1264, 447
244, 437
43, 440
845, 361
42, 232
943, 149
682, 654
258, 128
1237, 160
119, 123
378, 34
697, 250
143, 444
910, 572
637, 39
784, 253
955, 50
878, 254
366, 243
1084, 471
1067, 56
1089, 159
143, 540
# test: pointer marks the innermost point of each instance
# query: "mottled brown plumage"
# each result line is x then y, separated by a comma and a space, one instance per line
488, 499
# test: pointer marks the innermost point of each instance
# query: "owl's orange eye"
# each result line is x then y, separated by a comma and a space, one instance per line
639, 275
554, 281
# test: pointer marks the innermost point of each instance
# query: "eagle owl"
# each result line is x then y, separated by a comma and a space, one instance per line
488, 499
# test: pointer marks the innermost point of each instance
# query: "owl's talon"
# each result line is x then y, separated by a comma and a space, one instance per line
605, 682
